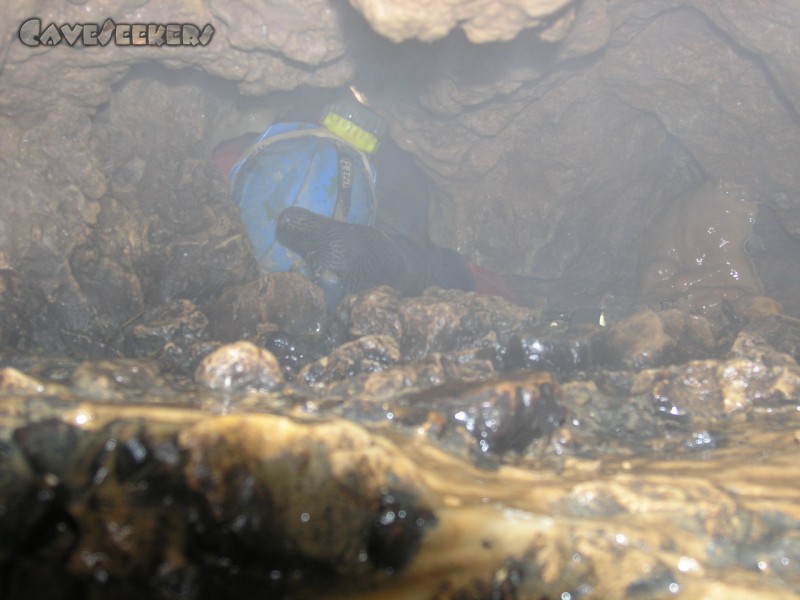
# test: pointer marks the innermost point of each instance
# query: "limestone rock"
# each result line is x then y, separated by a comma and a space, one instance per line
485, 21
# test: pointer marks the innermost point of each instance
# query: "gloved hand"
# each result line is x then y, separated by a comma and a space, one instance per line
363, 257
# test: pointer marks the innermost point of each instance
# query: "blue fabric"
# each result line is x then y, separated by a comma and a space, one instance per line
295, 171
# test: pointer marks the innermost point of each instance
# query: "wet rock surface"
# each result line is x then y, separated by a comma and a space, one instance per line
444, 472
239, 365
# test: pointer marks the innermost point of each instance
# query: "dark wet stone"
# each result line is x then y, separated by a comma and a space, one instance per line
292, 351
439, 321
237, 366
176, 325
27, 500
692, 392
559, 350
499, 416
106, 512
305, 511
435, 369
368, 354
49, 446
397, 531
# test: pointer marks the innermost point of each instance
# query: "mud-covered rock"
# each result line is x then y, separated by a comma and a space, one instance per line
327, 502
435, 369
117, 380
288, 300
623, 468
238, 366
702, 392
375, 312
484, 418
695, 253
751, 346
502, 417
651, 338
321, 503
296, 305
368, 354
437, 321
13, 382
166, 333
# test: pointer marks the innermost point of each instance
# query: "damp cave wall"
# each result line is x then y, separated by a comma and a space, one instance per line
555, 133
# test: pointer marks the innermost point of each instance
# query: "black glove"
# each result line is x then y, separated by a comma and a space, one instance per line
363, 257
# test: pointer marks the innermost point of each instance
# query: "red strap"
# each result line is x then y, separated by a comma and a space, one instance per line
491, 284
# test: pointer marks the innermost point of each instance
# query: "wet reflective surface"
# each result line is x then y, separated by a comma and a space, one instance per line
448, 470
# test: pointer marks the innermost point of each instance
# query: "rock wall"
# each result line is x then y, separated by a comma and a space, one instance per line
553, 130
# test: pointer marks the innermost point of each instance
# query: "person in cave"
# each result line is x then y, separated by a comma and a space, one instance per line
311, 202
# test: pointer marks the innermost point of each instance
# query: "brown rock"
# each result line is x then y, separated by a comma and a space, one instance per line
649, 338
287, 300
239, 366
368, 354
117, 380
13, 382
